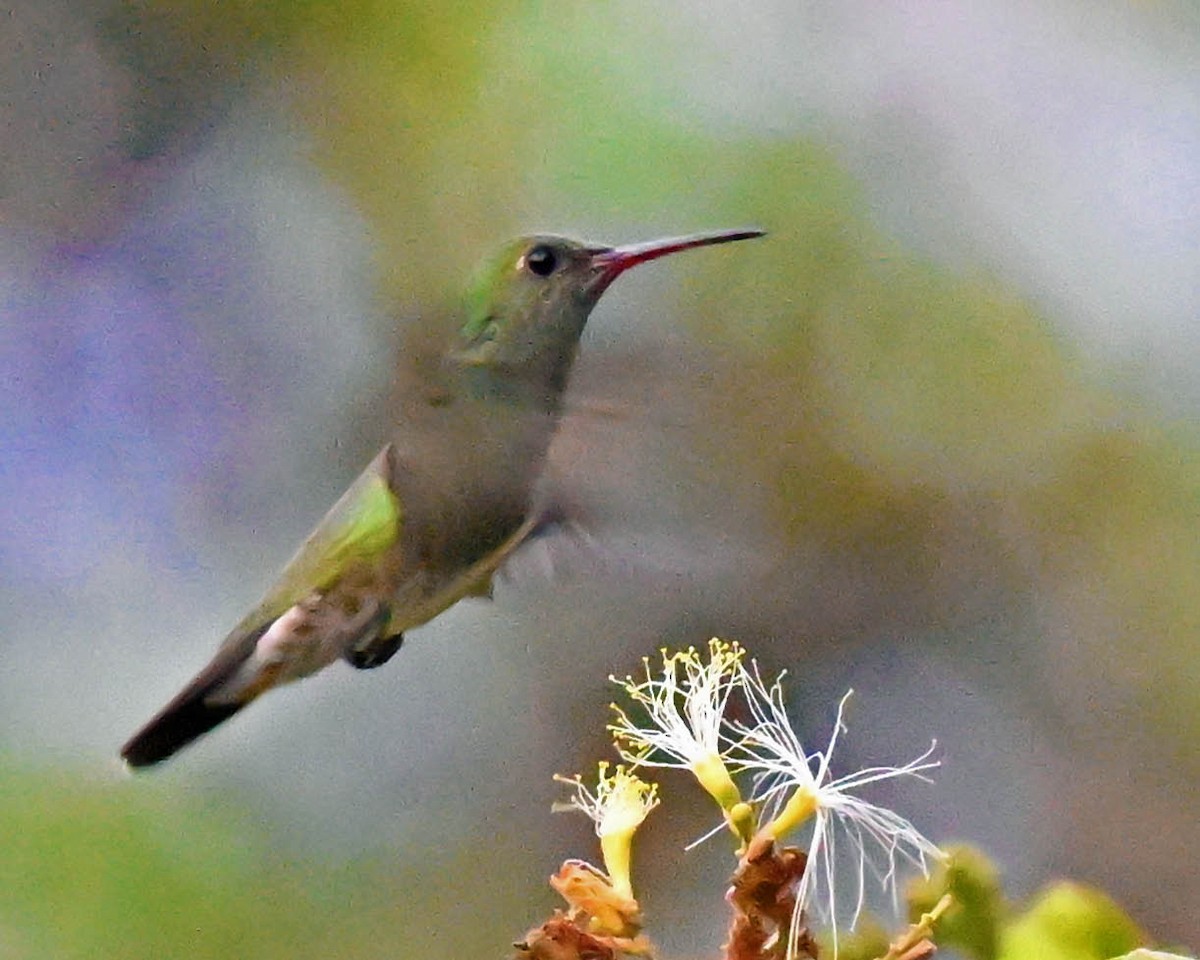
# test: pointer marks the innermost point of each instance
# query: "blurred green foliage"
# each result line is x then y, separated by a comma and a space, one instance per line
96, 869
1066, 921
101, 867
1070, 921
973, 925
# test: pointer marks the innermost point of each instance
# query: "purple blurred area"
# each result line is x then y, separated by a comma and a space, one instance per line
164, 296
113, 409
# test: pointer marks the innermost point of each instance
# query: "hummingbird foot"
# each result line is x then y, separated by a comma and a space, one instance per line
375, 654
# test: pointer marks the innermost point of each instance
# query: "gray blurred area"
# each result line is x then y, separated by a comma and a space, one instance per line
987, 528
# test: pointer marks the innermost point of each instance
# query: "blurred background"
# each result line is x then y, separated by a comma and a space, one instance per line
935, 438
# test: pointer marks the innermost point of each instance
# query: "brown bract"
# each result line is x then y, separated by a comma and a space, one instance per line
762, 895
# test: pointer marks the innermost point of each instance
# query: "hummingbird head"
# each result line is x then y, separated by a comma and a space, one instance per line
529, 302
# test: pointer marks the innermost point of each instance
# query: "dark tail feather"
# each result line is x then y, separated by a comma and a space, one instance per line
173, 729
190, 714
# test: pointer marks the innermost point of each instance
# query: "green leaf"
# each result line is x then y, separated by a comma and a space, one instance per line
972, 925
1070, 921
1152, 955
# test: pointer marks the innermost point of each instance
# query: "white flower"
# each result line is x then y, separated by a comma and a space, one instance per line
621, 801
686, 705
794, 787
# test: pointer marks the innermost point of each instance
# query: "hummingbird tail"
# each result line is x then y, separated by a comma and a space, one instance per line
197, 708
174, 728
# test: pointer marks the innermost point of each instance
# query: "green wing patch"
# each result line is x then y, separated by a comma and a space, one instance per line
362, 526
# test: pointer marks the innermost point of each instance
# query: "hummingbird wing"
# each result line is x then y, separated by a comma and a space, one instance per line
325, 599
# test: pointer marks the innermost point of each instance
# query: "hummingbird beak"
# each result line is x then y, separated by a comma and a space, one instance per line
608, 263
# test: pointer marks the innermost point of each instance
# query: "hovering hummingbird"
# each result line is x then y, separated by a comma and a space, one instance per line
442, 506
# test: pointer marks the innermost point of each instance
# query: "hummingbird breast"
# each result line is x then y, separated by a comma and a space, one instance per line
466, 483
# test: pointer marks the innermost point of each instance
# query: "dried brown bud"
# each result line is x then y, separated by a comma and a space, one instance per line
762, 895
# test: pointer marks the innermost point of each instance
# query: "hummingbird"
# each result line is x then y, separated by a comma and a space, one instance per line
443, 505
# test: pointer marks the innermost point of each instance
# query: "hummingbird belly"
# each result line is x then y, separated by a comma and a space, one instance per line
305, 638
419, 600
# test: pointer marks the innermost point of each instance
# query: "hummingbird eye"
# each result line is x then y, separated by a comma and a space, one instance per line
541, 260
